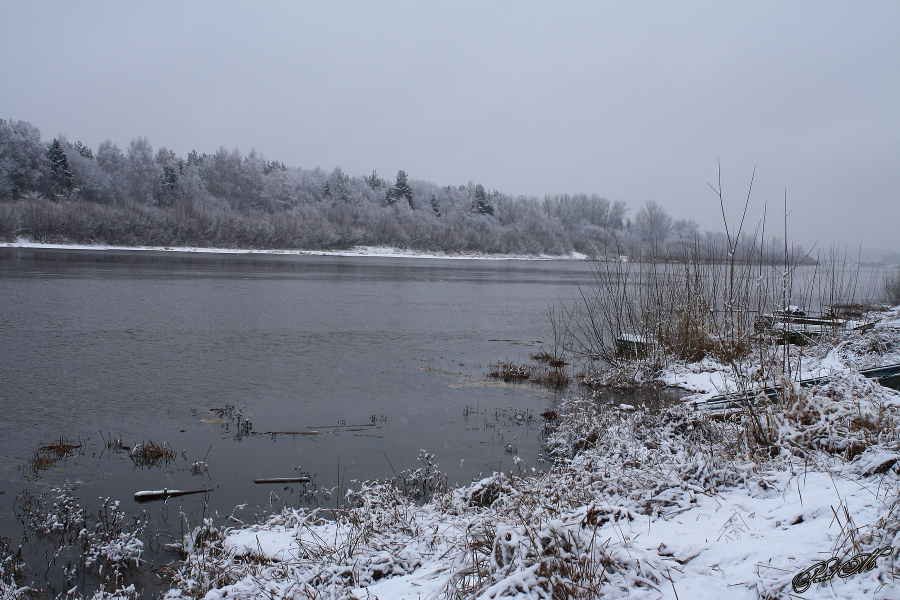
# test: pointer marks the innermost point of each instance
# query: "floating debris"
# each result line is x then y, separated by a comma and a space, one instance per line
164, 494
301, 479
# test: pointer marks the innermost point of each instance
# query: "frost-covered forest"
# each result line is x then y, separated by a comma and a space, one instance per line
60, 191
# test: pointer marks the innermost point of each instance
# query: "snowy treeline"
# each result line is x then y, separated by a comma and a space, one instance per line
60, 191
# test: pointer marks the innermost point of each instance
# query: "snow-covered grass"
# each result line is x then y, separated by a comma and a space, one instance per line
673, 503
106, 548
382, 251
840, 353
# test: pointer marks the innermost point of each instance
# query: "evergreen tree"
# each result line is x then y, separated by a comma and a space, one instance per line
435, 206
402, 188
273, 166
374, 181
60, 176
170, 181
482, 205
194, 159
83, 150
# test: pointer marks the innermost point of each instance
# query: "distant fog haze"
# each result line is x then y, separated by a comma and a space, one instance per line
632, 102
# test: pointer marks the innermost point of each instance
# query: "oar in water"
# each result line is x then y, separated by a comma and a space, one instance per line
165, 494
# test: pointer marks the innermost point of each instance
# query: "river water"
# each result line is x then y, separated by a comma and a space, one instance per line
347, 367
370, 360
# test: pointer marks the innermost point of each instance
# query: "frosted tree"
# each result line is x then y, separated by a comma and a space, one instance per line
221, 173
686, 228
399, 191
195, 159
82, 150
252, 182
435, 206
482, 204
89, 179
110, 158
142, 173
172, 168
338, 185
61, 179
23, 161
617, 215
374, 181
403, 189
111, 161
653, 225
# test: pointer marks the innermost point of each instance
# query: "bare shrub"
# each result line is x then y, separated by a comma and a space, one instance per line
891, 288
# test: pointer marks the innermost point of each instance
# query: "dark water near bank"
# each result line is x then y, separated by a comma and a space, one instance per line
141, 345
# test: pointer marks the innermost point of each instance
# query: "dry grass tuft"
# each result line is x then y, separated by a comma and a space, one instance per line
116, 445
40, 462
542, 356
151, 454
545, 373
47, 456
554, 378
61, 448
510, 372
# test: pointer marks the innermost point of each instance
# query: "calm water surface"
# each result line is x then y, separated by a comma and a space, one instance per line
142, 345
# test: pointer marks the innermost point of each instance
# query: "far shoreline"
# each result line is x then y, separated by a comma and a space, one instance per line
358, 251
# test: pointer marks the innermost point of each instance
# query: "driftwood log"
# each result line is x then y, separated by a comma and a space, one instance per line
165, 494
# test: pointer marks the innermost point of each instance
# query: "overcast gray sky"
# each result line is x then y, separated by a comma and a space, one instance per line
631, 101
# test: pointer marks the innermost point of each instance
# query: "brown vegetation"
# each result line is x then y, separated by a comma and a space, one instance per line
151, 454
549, 374
47, 456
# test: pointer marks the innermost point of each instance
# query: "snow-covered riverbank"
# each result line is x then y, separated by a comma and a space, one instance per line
381, 251
642, 504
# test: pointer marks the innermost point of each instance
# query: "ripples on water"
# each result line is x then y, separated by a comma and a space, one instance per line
142, 345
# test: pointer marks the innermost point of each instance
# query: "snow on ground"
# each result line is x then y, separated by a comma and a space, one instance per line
736, 544
641, 504
382, 251
854, 351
